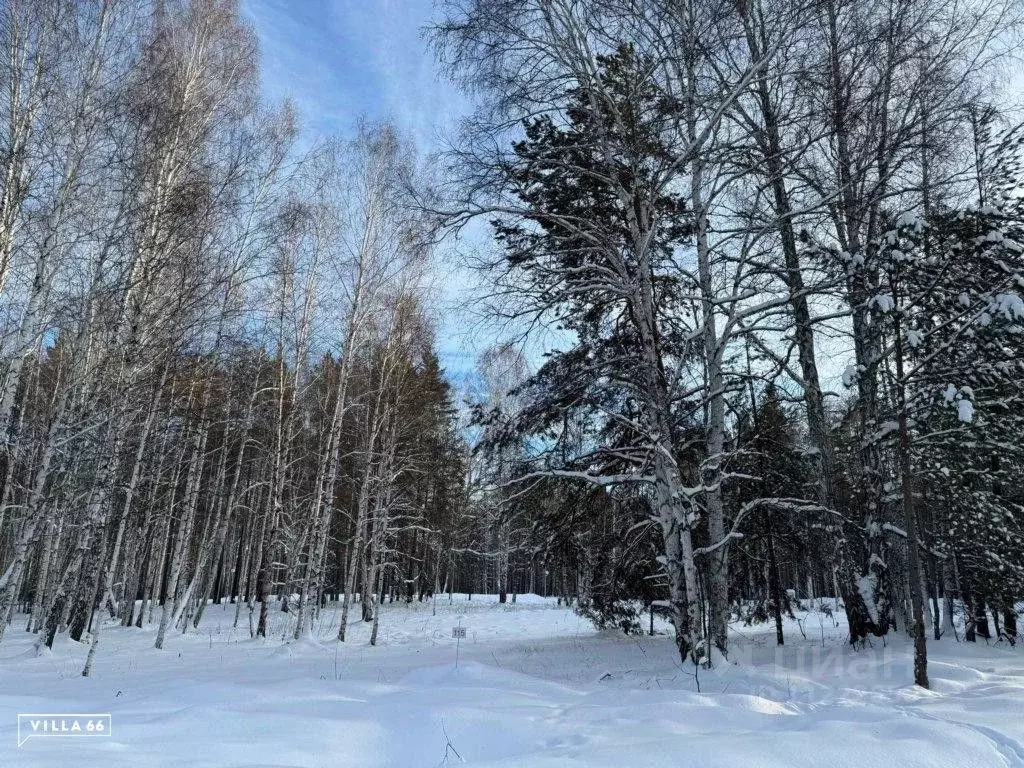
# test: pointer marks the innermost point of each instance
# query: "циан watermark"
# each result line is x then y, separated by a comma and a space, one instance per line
48, 724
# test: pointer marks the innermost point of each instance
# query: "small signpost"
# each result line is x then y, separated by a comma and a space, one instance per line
459, 633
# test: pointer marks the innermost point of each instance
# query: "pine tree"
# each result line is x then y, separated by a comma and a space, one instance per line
590, 251
770, 457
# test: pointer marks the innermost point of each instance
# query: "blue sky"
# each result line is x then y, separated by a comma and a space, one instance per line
342, 59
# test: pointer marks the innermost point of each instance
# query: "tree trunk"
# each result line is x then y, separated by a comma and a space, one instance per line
775, 586
915, 578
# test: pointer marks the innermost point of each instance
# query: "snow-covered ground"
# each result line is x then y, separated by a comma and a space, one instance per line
535, 686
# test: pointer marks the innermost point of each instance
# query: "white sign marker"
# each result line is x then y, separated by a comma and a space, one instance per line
459, 633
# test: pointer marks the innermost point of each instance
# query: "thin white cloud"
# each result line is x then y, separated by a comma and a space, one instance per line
339, 59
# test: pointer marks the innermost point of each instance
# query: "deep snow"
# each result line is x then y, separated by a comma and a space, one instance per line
536, 686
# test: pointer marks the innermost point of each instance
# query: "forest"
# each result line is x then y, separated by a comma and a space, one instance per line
751, 278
